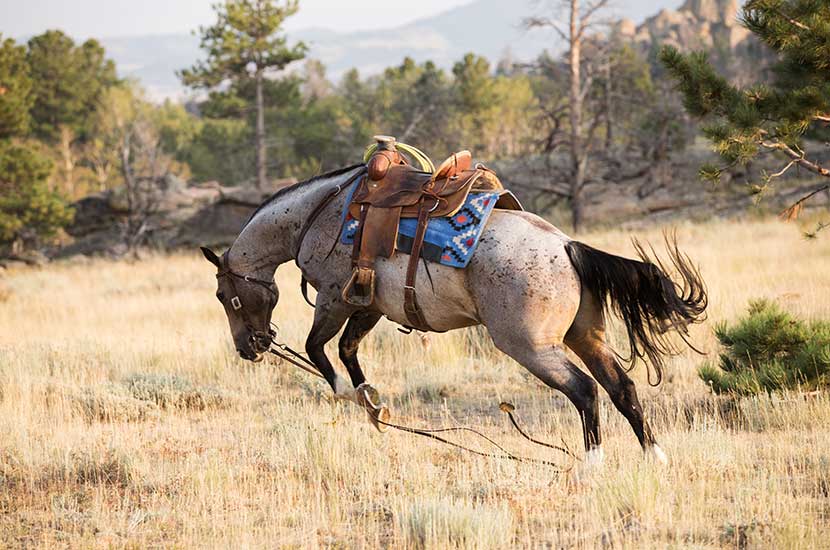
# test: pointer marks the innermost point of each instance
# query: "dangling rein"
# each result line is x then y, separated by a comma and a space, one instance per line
300, 361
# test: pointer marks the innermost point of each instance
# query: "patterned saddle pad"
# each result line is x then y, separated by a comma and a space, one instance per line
449, 241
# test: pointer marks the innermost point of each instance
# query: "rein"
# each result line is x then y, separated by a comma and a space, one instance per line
295, 358
319, 210
310, 221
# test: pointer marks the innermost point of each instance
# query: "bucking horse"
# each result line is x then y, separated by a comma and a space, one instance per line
536, 290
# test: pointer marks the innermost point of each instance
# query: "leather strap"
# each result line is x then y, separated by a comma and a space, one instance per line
319, 210
410, 301
358, 236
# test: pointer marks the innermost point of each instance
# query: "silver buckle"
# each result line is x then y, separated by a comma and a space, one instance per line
236, 303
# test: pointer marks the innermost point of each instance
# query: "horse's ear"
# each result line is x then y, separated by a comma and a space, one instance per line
211, 257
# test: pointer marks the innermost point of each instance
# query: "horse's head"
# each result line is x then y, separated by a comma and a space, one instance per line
248, 303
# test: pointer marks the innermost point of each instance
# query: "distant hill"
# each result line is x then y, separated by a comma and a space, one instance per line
491, 28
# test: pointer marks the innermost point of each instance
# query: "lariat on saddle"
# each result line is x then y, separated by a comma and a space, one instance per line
393, 189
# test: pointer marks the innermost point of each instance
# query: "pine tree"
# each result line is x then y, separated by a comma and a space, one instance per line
243, 45
28, 208
15, 89
772, 116
68, 82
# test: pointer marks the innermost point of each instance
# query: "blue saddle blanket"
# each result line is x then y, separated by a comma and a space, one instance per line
449, 241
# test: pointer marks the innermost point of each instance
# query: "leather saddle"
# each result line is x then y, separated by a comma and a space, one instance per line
393, 189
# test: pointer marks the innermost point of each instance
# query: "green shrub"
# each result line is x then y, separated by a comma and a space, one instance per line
169, 391
112, 403
448, 523
770, 350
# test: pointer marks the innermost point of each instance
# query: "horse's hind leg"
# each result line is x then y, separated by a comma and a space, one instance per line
551, 365
359, 325
586, 338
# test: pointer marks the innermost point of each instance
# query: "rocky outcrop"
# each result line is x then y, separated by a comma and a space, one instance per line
181, 215
710, 25
697, 24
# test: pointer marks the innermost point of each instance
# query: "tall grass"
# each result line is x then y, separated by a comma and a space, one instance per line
128, 421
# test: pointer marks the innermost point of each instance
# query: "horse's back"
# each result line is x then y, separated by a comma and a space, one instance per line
520, 267
521, 277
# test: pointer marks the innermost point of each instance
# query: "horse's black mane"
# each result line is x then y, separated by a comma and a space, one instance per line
290, 188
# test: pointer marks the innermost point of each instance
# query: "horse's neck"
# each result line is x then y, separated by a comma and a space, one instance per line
271, 238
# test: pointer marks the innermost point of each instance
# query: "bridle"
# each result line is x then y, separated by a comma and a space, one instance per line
263, 338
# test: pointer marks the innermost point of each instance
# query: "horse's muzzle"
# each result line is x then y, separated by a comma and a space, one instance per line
259, 342
250, 355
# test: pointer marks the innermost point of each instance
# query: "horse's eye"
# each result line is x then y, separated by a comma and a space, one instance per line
220, 296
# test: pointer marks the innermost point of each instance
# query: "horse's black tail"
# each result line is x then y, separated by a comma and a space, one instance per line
649, 302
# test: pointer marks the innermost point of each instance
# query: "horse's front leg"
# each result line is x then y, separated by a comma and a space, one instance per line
329, 317
359, 325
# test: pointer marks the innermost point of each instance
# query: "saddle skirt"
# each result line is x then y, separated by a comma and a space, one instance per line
450, 240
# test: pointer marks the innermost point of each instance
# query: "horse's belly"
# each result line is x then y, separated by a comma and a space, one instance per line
441, 291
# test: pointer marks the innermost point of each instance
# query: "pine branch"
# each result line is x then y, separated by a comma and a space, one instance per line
791, 213
798, 158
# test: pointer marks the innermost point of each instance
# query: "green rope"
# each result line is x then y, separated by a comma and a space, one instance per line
417, 155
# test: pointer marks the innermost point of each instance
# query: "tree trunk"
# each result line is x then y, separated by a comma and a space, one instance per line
261, 175
609, 123
575, 100
67, 136
577, 197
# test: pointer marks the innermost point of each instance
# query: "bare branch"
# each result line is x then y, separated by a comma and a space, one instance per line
544, 22
585, 17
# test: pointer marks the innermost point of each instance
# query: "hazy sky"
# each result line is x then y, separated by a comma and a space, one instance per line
104, 18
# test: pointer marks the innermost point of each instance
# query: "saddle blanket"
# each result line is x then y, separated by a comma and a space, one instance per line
449, 241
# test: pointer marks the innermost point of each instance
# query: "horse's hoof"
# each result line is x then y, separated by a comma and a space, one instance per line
656, 454
594, 457
369, 398
379, 418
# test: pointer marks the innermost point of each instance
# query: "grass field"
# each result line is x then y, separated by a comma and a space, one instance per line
126, 420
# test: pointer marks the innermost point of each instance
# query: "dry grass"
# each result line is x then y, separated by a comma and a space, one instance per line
128, 421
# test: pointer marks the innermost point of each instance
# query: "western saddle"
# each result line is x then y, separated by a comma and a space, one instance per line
393, 189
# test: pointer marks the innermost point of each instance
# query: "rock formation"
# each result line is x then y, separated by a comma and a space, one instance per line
710, 25
184, 215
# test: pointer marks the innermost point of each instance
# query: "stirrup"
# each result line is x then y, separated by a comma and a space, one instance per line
360, 289
369, 398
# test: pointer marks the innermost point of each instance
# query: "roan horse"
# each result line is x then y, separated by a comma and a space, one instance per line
535, 290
